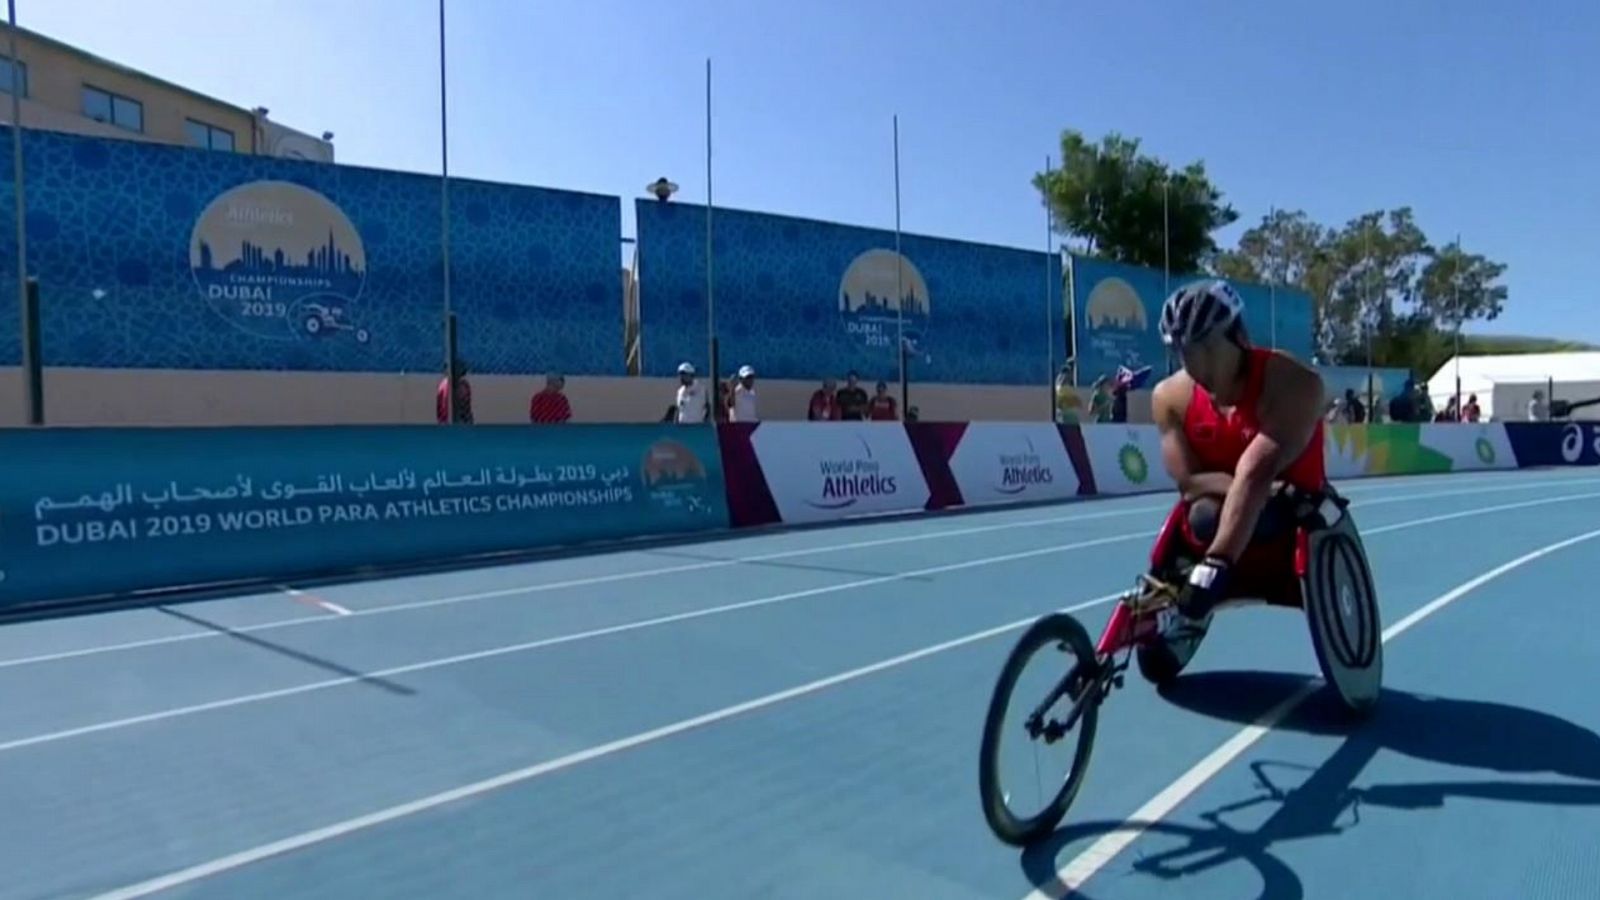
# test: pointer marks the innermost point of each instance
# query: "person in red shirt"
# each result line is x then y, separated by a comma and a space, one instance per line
824, 403
881, 408
550, 406
463, 404
1233, 421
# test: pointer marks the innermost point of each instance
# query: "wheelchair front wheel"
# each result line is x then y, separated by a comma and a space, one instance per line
1066, 699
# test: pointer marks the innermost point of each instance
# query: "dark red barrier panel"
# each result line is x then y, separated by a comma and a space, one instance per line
750, 501
934, 443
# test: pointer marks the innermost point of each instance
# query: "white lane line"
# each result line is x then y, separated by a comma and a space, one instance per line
339, 829
508, 649
320, 835
312, 600
588, 581
1085, 865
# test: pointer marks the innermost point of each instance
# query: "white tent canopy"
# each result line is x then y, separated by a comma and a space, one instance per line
1504, 384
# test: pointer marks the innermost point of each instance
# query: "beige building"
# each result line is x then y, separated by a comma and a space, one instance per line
63, 88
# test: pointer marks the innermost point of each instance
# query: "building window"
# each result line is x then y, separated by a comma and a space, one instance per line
13, 74
114, 109
208, 137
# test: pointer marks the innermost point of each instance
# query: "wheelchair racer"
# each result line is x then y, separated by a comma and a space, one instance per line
1235, 421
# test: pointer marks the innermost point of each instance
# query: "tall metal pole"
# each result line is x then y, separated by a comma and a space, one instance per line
1049, 315
899, 274
28, 362
1366, 316
444, 230
1456, 276
1272, 288
1166, 238
711, 303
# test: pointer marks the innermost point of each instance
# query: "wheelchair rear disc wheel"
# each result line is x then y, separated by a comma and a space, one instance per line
1048, 709
1346, 629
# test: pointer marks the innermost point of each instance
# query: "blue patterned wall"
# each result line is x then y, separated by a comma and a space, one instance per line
163, 257
1118, 308
976, 314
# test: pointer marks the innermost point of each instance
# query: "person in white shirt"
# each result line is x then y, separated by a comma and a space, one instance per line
1536, 408
692, 406
744, 396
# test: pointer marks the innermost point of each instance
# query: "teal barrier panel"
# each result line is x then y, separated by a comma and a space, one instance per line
87, 512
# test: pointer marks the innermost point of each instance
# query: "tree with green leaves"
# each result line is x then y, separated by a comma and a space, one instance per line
1123, 205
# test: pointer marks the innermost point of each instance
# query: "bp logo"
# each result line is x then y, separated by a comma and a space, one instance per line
1131, 460
1485, 451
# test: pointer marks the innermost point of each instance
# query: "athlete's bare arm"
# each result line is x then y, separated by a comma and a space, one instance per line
1290, 407
1169, 403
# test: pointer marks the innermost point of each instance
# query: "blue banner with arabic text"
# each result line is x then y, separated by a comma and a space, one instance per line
87, 512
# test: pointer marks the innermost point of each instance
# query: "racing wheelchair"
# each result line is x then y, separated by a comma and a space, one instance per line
1309, 558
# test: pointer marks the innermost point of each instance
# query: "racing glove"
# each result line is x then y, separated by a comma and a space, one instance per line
1206, 587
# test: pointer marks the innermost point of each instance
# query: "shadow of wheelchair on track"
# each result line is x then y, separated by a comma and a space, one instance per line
1326, 802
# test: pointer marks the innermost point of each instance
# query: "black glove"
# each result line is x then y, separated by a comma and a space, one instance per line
1207, 586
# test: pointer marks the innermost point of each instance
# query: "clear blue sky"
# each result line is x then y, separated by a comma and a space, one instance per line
1483, 116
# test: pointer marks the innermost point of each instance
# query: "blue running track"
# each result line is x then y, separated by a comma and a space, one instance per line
796, 715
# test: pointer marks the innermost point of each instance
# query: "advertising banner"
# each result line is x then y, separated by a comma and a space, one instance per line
1554, 443
1126, 459
1013, 462
821, 472
1355, 451
804, 299
94, 511
158, 257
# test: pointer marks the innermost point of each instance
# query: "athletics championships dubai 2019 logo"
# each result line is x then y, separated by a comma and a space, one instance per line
867, 300
280, 261
1485, 451
674, 477
846, 480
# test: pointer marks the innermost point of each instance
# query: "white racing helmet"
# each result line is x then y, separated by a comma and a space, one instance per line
1196, 310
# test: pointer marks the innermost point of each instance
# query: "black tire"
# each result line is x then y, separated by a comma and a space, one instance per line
1343, 647
1056, 628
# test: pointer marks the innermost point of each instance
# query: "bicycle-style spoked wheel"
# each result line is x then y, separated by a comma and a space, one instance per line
1039, 730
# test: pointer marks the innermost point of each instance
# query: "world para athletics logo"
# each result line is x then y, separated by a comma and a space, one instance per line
1485, 451
1020, 471
280, 261
846, 480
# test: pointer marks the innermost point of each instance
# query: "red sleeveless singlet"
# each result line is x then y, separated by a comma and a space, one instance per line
1219, 440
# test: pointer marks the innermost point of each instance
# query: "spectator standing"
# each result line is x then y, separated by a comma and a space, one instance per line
1403, 406
744, 406
882, 408
692, 406
550, 406
1537, 411
1424, 404
852, 399
1471, 412
1354, 410
1100, 400
824, 403
463, 404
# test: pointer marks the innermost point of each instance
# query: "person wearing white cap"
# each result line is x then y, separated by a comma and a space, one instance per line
744, 396
692, 405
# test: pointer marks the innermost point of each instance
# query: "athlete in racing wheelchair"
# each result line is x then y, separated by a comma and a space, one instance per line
1257, 520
